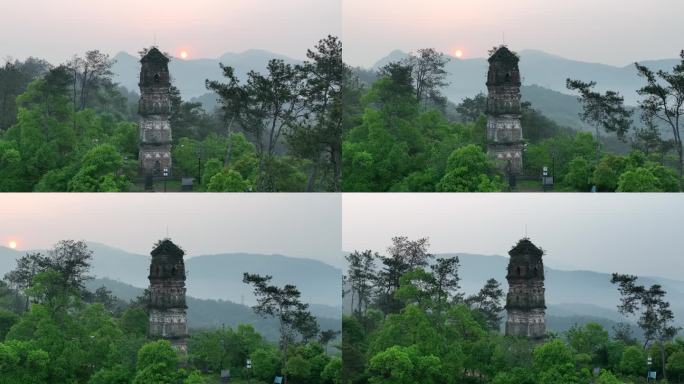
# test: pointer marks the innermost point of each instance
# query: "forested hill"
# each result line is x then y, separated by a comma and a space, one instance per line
189, 75
578, 291
467, 76
211, 314
571, 295
216, 276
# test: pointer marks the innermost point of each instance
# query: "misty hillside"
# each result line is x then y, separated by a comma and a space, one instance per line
468, 76
571, 296
213, 313
576, 291
216, 276
189, 75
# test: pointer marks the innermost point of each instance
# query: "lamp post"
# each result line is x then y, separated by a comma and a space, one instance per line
248, 365
166, 175
199, 164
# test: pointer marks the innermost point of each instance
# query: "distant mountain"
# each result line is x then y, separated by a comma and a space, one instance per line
216, 276
570, 295
562, 108
190, 75
579, 292
7, 259
468, 76
214, 313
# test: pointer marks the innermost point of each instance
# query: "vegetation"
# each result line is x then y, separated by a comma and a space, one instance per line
410, 323
407, 137
52, 330
70, 128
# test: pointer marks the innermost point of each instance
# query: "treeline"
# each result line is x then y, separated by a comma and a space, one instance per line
70, 128
407, 137
411, 323
53, 330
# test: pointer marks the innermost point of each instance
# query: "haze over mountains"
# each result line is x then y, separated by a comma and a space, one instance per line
572, 296
190, 75
216, 277
216, 293
543, 75
468, 76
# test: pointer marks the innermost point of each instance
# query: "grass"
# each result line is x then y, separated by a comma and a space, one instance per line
171, 186
528, 186
213, 378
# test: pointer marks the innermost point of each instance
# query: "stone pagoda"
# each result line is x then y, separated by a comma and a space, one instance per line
154, 109
504, 131
167, 308
525, 303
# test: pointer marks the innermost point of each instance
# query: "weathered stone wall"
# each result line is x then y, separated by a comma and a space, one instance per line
504, 130
154, 107
167, 301
525, 301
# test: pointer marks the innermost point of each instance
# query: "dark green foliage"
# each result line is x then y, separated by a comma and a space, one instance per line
399, 145
662, 101
70, 335
285, 305
417, 341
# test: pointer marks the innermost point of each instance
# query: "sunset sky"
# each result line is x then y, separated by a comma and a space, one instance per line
627, 233
615, 32
57, 29
299, 225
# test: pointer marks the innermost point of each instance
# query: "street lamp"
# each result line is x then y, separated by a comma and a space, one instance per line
651, 374
166, 175
199, 164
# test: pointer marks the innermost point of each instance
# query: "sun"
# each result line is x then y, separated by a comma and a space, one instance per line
12, 244
458, 53
184, 54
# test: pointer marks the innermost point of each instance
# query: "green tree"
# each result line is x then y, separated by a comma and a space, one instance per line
265, 363
428, 74
468, 170
579, 174
228, 180
318, 137
488, 302
283, 304
554, 363
655, 315
266, 106
134, 321
663, 98
604, 111
100, 171
21, 362
332, 373
633, 361
403, 365
516, 375
606, 377
675, 365
607, 172
157, 363
470, 109
117, 374
638, 180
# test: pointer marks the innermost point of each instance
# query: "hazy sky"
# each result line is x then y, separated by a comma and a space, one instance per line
628, 233
57, 29
300, 225
608, 31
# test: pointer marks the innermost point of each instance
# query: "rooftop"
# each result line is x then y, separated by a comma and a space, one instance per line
168, 248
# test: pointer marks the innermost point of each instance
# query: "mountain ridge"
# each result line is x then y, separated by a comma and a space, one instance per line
216, 276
